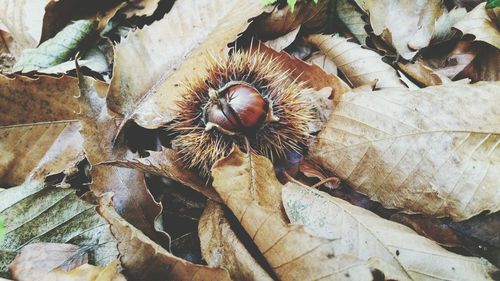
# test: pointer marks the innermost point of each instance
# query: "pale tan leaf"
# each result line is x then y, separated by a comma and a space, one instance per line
249, 188
360, 66
145, 260
324, 62
483, 24
151, 63
403, 254
422, 74
407, 25
433, 151
86, 272
44, 99
220, 246
165, 163
131, 196
349, 15
34, 151
38, 259
284, 41
23, 19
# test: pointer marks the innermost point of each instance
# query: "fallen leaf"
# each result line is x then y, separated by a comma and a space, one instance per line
165, 163
407, 25
432, 151
483, 24
151, 63
35, 151
423, 74
360, 66
34, 212
26, 100
23, 21
143, 259
38, 259
352, 18
221, 247
131, 196
86, 272
249, 188
284, 41
324, 62
355, 231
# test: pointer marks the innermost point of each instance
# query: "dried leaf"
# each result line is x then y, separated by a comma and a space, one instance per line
37, 150
166, 164
44, 99
482, 24
38, 259
360, 66
349, 15
34, 212
407, 25
324, 62
355, 231
284, 41
249, 188
151, 63
145, 260
422, 74
131, 196
220, 246
23, 21
431, 151
56, 50
86, 272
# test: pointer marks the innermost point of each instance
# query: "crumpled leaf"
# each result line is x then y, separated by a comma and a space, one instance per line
165, 163
360, 66
35, 151
145, 260
356, 231
44, 99
34, 212
431, 151
249, 188
151, 62
86, 272
56, 50
349, 15
23, 21
38, 259
407, 25
220, 246
284, 41
483, 24
132, 198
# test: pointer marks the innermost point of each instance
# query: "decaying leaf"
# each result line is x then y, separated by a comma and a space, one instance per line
34, 151
284, 41
352, 18
86, 272
360, 66
355, 231
38, 259
131, 196
34, 212
483, 24
145, 260
151, 63
249, 188
221, 246
432, 151
166, 163
423, 74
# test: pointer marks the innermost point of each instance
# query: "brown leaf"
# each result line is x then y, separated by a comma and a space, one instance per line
422, 74
360, 66
324, 62
483, 24
349, 15
131, 196
38, 259
407, 25
249, 188
284, 41
44, 99
35, 151
395, 249
151, 63
431, 151
220, 246
86, 272
166, 164
145, 260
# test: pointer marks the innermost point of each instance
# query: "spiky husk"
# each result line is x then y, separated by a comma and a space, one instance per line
200, 149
